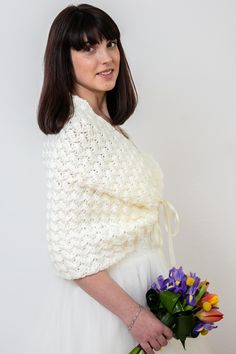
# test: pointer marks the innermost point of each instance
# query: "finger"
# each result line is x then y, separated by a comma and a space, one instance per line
155, 344
167, 333
162, 340
147, 348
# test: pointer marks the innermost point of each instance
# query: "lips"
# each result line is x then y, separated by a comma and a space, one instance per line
105, 72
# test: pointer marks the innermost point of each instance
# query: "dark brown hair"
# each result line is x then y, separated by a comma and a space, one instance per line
68, 31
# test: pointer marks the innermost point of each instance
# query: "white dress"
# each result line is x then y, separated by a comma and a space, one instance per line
72, 322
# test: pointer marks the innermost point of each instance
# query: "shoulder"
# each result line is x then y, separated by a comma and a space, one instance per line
75, 136
90, 147
83, 128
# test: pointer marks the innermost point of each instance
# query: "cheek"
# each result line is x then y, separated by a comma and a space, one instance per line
116, 58
83, 68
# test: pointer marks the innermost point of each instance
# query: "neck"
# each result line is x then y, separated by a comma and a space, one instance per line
97, 100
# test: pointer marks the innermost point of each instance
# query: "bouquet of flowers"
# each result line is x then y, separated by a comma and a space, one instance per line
182, 302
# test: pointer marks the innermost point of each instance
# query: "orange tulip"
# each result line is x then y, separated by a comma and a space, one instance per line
209, 317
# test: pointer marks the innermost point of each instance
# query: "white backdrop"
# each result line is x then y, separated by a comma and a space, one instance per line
183, 58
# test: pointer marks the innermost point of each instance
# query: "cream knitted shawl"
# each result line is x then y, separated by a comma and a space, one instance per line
103, 195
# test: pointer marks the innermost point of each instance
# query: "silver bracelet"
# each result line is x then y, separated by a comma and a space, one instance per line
135, 317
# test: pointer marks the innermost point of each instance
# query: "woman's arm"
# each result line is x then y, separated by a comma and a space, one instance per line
147, 330
106, 291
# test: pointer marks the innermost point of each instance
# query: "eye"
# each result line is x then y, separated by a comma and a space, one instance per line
88, 49
112, 44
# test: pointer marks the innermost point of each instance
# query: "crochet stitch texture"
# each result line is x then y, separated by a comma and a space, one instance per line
103, 194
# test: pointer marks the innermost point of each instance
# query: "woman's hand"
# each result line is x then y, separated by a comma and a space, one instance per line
149, 332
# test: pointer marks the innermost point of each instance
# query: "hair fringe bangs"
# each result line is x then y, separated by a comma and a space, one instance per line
86, 28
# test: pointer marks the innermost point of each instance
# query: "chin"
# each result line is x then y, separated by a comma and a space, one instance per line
109, 86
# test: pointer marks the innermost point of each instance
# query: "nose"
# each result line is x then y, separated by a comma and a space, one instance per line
104, 55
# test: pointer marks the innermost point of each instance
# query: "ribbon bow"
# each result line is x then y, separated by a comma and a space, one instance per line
171, 224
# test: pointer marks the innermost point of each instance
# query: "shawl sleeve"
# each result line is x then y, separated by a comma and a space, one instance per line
90, 226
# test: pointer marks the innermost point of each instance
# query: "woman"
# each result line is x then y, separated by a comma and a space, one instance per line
104, 197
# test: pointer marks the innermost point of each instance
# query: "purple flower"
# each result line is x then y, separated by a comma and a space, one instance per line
154, 286
203, 326
192, 282
196, 279
163, 283
177, 281
190, 295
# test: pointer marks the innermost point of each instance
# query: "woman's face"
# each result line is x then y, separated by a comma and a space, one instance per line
96, 67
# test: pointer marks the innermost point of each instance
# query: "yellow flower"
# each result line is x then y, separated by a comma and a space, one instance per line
204, 332
209, 300
206, 306
190, 281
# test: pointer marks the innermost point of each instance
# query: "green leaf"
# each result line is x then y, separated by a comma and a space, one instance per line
171, 301
136, 350
184, 324
153, 300
167, 319
183, 342
201, 292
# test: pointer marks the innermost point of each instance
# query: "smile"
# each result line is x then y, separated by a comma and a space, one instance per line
106, 73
